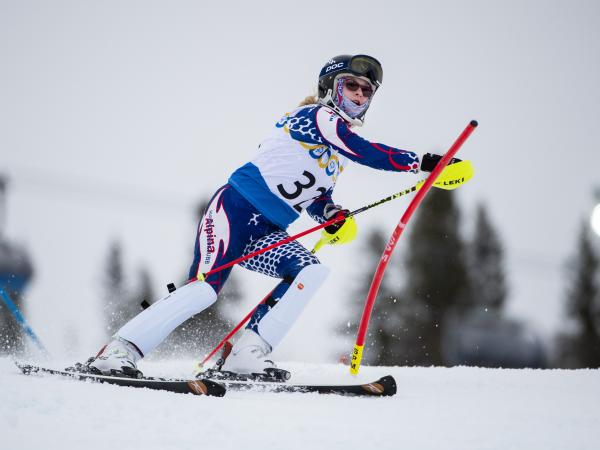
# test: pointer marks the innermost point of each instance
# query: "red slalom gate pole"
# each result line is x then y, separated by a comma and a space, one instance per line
387, 253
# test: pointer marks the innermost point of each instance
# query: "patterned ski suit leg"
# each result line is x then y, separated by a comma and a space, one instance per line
232, 227
283, 262
229, 224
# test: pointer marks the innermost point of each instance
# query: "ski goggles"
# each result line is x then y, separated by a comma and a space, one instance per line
352, 85
366, 66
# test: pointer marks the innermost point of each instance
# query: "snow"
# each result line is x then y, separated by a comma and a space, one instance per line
435, 408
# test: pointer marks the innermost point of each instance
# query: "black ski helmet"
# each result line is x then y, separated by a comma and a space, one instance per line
356, 65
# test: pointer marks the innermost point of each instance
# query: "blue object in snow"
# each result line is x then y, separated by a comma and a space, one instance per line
19, 317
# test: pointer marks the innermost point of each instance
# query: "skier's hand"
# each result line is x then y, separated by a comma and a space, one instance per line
340, 232
430, 160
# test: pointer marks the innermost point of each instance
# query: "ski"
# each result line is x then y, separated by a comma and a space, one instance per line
383, 387
196, 387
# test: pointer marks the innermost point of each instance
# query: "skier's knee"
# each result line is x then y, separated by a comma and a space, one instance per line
294, 269
280, 318
314, 274
152, 326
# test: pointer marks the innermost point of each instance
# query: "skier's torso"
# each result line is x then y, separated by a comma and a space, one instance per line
298, 171
290, 172
300, 162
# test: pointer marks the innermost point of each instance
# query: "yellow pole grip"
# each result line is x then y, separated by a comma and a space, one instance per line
318, 245
356, 359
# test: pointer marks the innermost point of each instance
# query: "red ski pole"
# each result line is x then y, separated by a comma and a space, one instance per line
232, 332
387, 253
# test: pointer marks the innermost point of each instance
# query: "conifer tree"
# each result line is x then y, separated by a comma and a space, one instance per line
581, 348
415, 297
437, 272
121, 302
144, 290
477, 315
379, 343
486, 265
114, 291
392, 338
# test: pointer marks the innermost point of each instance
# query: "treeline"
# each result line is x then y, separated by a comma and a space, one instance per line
442, 302
578, 343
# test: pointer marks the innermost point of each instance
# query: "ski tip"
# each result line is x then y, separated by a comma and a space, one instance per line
25, 368
388, 386
474, 123
207, 387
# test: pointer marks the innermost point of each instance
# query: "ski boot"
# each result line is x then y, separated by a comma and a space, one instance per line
117, 358
245, 361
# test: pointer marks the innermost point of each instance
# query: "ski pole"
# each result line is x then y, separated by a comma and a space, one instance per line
385, 257
21, 320
232, 332
456, 178
460, 174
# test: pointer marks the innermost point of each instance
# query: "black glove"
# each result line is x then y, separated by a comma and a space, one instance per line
430, 160
331, 211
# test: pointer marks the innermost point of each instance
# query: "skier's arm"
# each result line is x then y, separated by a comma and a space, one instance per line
430, 160
324, 209
340, 232
316, 209
378, 156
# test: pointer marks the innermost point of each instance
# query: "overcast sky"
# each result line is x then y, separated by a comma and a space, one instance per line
117, 116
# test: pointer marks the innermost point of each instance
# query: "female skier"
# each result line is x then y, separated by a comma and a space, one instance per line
295, 169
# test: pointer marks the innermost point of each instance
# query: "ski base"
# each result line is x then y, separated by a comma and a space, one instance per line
196, 387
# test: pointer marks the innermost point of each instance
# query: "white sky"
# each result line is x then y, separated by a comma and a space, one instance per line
116, 116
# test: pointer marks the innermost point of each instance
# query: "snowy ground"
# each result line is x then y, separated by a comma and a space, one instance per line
435, 408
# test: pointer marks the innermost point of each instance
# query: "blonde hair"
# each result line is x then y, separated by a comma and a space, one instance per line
309, 100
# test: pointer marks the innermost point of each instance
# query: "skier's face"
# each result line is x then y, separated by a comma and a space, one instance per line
357, 91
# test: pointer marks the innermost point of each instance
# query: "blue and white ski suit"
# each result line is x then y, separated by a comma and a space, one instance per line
296, 168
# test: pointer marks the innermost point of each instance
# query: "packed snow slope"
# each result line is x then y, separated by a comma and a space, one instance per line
435, 408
